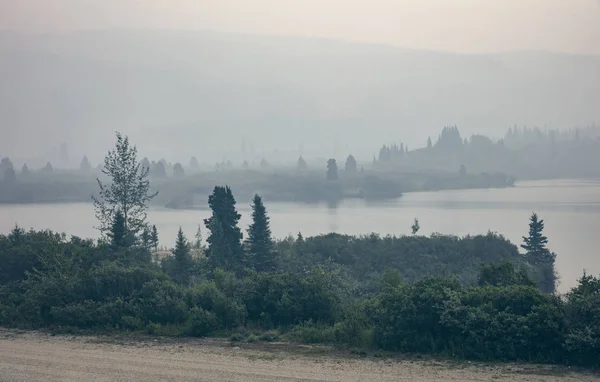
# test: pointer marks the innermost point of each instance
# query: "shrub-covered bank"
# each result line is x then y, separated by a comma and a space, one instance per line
309, 295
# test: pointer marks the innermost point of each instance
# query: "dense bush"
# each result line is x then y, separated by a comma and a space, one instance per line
355, 291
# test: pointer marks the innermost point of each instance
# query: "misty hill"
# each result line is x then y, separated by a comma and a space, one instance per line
183, 93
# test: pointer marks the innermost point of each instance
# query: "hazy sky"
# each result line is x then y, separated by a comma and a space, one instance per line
456, 25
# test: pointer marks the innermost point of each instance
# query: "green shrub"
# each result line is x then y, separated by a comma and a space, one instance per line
270, 336
200, 323
311, 333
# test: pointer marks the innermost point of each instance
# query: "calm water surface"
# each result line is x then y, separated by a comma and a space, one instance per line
571, 210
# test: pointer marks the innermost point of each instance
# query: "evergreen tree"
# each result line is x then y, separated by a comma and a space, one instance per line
429, 143
415, 227
85, 164
120, 237
332, 170
538, 253
154, 238
178, 170
25, 169
535, 243
198, 244
145, 164
182, 257
301, 165
224, 242
259, 241
264, 164
194, 163
159, 170
146, 238
351, 167
10, 175
129, 191
48, 168
5, 164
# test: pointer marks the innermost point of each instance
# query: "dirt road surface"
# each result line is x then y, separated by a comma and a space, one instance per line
34, 356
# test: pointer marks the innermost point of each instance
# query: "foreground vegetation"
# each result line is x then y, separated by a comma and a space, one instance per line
486, 301
316, 292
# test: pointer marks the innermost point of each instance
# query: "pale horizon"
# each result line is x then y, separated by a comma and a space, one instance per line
463, 26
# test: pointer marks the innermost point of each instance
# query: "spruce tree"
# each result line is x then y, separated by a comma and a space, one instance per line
224, 242
535, 243
259, 241
538, 253
351, 167
194, 163
146, 238
85, 164
154, 238
301, 165
178, 170
332, 169
120, 237
182, 257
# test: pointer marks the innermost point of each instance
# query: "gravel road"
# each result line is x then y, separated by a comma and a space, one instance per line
34, 356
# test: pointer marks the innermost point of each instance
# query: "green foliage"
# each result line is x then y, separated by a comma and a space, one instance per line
182, 263
200, 323
503, 274
354, 291
119, 235
332, 169
224, 242
128, 192
535, 243
259, 242
351, 167
154, 238
415, 227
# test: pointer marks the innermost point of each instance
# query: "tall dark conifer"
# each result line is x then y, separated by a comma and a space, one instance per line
224, 242
259, 241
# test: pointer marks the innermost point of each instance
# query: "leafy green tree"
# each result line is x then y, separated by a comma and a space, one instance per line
351, 166
332, 169
259, 241
154, 238
503, 274
224, 241
415, 227
85, 164
128, 192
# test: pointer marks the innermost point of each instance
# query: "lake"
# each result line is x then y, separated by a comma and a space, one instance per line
570, 209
